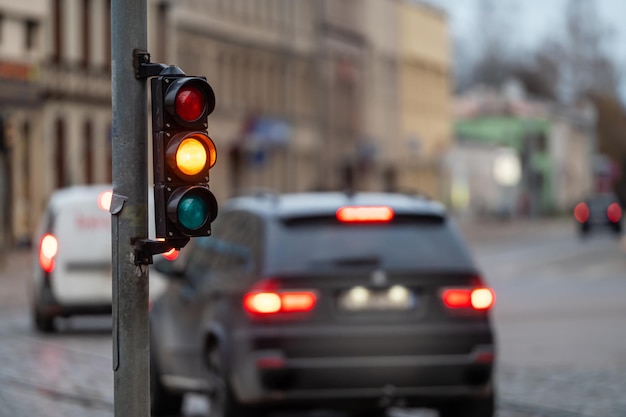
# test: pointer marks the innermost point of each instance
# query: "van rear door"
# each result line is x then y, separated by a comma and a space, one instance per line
82, 274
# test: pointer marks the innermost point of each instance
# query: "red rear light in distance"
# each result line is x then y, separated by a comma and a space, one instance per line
468, 298
581, 212
614, 213
267, 303
365, 214
48, 249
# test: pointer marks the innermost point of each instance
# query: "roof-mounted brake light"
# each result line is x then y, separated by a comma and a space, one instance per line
364, 214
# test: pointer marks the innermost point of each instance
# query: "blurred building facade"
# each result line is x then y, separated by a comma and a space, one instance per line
311, 94
550, 149
22, 39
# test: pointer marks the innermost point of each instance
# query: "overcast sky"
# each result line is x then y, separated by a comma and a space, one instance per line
530, 21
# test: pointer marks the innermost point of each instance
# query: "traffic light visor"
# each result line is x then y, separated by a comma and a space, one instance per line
192, 209
189, 101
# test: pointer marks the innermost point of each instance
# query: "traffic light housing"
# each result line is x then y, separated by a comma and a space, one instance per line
183, 154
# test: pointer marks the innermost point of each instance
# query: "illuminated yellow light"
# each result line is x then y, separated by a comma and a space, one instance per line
191, 156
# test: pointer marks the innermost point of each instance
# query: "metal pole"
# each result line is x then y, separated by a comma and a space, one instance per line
131, 341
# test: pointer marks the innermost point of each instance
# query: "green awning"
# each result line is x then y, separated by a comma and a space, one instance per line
504, 131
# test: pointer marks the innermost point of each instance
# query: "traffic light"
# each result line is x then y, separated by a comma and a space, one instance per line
183, 154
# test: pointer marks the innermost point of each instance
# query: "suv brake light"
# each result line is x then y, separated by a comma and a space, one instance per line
48, 248
264, 303
364, 214
474, 298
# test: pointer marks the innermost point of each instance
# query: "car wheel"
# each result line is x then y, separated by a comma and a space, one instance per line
222, 400
483, 407
162, 401
43, 322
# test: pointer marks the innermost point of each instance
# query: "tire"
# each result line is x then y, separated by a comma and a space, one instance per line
583, 230
44, 323
222, 400
162, 401
480, 407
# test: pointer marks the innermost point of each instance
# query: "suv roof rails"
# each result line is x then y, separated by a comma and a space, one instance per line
414, 193
259, 192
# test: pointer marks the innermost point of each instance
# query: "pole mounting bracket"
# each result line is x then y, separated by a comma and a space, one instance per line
146, 69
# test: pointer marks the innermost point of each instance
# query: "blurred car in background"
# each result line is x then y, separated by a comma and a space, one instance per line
353, 302
72, 260
597, 212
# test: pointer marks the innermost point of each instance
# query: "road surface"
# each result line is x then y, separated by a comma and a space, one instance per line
560, 319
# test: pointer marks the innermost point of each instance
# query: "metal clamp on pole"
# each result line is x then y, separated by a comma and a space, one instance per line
145, 69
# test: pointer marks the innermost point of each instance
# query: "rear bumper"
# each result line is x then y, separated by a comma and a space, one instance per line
75, 309
48, 305
418, 377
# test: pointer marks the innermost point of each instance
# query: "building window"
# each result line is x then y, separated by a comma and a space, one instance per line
57, 52
26, 152
60, 149
1, 26
107, 36
31, 34
89, 150
86, 32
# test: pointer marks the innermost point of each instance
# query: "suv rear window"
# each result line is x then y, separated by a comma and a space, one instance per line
406, 243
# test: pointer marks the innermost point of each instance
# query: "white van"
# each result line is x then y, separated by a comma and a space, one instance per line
72, 257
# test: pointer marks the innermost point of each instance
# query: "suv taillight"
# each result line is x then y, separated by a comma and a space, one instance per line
468, 298
614, 213
48, 248
581, 212
265, 299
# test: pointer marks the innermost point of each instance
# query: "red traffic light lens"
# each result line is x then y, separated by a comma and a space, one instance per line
190, 103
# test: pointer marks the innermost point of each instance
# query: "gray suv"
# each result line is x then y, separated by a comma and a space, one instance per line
351, 302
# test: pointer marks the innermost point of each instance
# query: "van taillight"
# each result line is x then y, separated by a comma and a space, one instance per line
272, 302
48, 248
104, 200
473, 298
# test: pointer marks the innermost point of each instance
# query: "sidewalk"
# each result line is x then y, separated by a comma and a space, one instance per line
488, 230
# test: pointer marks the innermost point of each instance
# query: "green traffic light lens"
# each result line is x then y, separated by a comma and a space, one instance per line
193, 211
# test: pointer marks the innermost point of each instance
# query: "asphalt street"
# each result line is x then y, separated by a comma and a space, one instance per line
559, 319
